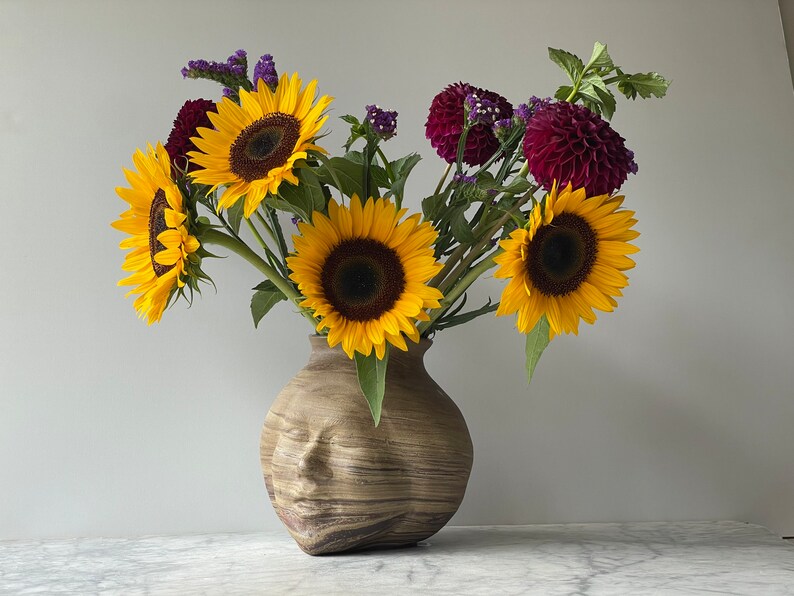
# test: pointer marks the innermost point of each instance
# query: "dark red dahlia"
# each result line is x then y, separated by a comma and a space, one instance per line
568, 143
191, 116
445, 124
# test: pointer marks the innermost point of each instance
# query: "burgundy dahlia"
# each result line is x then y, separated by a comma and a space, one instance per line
445, 124
569, 143
191, 116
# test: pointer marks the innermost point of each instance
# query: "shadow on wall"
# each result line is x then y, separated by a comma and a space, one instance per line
787, 17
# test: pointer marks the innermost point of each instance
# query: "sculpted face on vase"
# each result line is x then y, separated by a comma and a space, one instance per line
340, 483
334, 482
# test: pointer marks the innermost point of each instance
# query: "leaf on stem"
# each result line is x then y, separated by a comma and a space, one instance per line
537, 340
303, 199
348, 176
266, 296
401, 168
570, 63
644, 85
371, 374
234, 215
452, 321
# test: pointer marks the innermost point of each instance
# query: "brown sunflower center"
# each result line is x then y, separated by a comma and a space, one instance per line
362, 279
264, 145
157, 225
561, 255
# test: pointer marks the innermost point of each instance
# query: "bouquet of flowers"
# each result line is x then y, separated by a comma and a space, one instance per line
528, 189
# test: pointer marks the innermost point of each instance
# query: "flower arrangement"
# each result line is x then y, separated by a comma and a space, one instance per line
531, 192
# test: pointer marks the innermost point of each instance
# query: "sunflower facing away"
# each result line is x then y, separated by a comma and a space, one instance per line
159, 240
568, 262
363, 272
255, 145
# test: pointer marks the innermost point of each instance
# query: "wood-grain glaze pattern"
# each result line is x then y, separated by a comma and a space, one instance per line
337, 482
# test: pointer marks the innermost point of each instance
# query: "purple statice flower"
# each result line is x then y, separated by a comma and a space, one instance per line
265, 69
481, 110
384, 122
502, 128
295, 220
525, 111
232, 74
463, 179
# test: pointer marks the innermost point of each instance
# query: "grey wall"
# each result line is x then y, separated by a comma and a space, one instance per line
677, 406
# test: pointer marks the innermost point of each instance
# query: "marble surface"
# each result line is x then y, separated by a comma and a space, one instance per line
588, 559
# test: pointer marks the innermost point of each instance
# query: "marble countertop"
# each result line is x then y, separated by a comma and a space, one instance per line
589, 559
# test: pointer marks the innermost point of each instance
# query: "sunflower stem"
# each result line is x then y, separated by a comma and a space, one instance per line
276, 226
271, 257
476, 249
242, 249
440, 184
398, 198
455, 293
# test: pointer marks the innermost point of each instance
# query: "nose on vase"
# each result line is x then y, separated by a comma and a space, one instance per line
313, 461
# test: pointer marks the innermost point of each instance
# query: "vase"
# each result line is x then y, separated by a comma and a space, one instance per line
338, 482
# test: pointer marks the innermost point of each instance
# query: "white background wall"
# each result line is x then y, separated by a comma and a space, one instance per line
677, 406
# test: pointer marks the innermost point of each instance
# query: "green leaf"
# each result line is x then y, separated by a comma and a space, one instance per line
570, 63
643, 84
608, 103
600, 58
517, 186
401, 168
454, 320
234, 215
352, 120
563, 92
266, 295
537, 340
432, 205
379, 177
461, 228
349, 173
303, 199
371, 374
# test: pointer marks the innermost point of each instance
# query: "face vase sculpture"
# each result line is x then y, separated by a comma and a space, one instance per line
339, 483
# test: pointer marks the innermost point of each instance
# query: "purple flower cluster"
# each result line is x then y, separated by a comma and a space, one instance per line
463, 179
265, 69
525, 111
502, 128
236, 65
384, 122
482, 110
232, 74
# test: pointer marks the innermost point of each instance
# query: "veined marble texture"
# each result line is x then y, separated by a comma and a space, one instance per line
587, 559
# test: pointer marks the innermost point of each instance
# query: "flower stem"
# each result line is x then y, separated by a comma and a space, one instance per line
443, 179
271, 257
242, 249
450, 299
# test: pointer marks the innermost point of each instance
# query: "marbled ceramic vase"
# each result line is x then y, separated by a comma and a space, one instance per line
337, 482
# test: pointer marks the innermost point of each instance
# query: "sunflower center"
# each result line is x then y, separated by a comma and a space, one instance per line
264, 145
561, 255
157, 225
362, 279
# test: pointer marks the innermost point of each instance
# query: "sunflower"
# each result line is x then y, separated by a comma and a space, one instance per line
160, 241
254, 145
569, 260
363, 272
